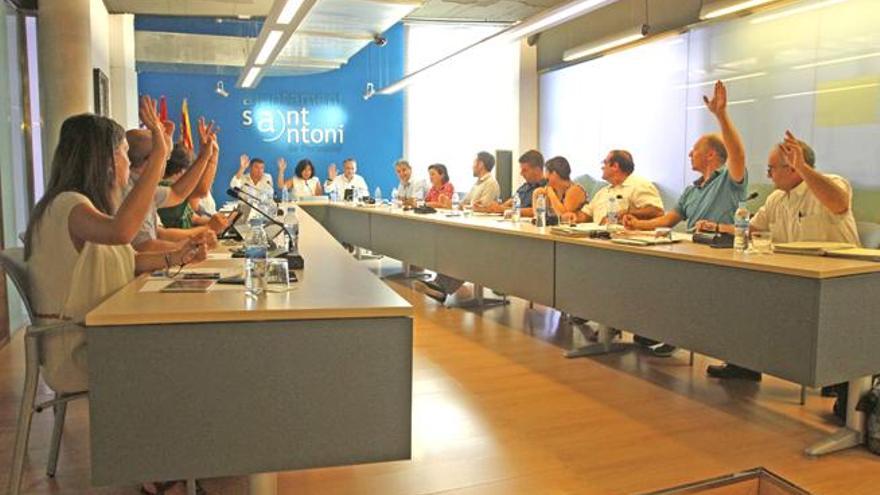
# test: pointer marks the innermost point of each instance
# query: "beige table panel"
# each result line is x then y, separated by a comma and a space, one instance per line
317, 295
786, 264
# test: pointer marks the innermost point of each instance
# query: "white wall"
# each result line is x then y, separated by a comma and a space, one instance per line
123, 76
471, 105
814, 71
100, 29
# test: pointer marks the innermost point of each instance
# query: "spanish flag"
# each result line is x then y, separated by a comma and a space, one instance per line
185, 132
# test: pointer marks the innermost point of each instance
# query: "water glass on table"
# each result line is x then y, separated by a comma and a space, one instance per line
278, 273
760, 242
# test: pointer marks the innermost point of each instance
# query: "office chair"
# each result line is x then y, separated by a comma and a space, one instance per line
12, 261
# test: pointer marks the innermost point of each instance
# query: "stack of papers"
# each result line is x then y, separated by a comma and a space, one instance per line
856, 254
811, 248
643, 240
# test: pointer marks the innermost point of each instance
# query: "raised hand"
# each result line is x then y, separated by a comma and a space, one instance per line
243, 162
331, 172
718, 103
282, 165
169, 130
150, 115
793, 153
206, 133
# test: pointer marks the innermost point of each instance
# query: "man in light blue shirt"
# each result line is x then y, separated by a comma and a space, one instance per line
409, 190
715, 196
721, 162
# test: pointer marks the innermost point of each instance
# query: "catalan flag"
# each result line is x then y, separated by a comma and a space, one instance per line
185, 132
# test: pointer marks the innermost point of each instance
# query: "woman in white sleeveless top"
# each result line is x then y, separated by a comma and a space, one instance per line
77, 244
303, 183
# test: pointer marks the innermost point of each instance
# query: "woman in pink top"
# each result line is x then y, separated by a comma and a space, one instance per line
440, 194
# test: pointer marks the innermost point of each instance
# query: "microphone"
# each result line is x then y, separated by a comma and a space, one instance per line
253, 197
293, 260
752, 196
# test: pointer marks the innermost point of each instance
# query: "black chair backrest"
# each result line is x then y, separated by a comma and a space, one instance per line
12, 261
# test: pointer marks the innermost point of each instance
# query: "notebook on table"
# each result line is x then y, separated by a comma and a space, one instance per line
856, 254
811, 247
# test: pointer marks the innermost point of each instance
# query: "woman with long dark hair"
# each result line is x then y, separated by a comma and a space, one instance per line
303, 183
77, 241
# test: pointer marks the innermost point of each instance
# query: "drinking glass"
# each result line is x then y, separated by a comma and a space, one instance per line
278, 274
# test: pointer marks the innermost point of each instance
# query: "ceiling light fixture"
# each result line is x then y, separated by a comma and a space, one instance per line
251, 77
268, 47
605, 44
528, 27
797, 10
283, 20
721, 9
289, 11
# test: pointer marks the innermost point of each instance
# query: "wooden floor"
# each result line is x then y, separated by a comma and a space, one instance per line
498, 410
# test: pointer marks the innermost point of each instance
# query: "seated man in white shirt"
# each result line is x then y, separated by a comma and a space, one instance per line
484, 192
807, 205
635, 195
257, 179
349, 180
409, 190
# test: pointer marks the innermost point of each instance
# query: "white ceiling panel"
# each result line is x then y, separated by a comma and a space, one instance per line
332, 32
211, 8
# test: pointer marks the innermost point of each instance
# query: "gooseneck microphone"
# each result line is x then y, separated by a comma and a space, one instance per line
250, 195
293, 260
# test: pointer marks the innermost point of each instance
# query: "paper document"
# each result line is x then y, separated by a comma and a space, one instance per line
810, 248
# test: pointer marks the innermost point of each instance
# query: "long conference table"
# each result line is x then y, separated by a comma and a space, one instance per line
810, 320
202, 385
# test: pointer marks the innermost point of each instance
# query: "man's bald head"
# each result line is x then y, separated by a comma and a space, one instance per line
140, 144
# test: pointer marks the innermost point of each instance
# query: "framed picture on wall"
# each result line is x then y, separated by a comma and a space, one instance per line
101, 86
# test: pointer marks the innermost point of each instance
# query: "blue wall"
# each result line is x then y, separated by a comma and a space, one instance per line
370, 131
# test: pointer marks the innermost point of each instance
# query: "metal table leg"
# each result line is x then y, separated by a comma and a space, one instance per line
480, 302
854, 433
605, 345
360, 255
407, 274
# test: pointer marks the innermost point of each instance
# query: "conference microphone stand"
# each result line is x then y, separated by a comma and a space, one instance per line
294, 261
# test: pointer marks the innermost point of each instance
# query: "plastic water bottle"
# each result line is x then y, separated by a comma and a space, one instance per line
613, 209
541, 211
741, 228
456, 202
291, 225
285, 195
256, 252
269, 202
331, 191
517, 208
377, 195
